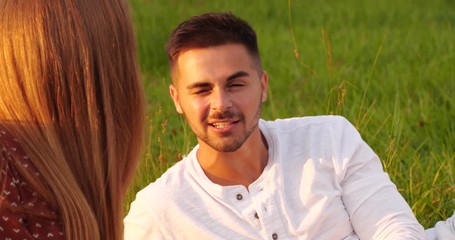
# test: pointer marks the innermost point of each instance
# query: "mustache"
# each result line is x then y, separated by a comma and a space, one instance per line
223, 115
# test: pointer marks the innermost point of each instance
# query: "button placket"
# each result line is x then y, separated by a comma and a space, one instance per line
267, 212
239, 197
274, 236
258, 197
242, 201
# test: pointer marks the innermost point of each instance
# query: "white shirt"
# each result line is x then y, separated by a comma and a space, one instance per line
443, 230
322, 181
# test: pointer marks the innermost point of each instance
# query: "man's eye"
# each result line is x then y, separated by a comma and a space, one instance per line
201, 91
235, 85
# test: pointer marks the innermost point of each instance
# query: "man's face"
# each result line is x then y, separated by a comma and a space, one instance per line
220, 93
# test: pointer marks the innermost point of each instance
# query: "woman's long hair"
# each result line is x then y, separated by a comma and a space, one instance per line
71, 95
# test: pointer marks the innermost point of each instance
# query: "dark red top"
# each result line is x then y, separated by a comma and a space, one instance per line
43, 222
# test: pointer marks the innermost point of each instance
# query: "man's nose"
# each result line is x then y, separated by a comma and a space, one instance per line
220, 100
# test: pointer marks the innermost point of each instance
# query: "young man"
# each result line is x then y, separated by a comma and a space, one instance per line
299, 178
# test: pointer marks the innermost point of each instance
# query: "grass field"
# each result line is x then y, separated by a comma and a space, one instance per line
388, 66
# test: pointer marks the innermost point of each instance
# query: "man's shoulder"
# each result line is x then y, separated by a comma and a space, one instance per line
292, 124
149, 206
170, 185
315, 128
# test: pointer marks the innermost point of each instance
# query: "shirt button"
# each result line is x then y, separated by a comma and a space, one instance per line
239, 197
256, 215
274, 236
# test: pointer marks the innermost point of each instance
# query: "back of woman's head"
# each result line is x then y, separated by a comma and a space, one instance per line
71, 95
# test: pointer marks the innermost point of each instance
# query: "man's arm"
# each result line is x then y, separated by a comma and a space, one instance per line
376, 208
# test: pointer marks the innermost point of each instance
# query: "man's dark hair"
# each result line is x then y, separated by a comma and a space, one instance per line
209, 30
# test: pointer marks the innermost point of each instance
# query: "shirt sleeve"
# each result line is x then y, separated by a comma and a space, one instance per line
376, 208
445, 229
23, 213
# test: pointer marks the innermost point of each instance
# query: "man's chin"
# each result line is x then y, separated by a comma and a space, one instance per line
231, 147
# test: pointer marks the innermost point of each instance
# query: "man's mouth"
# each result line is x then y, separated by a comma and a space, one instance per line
223, 121
220, 124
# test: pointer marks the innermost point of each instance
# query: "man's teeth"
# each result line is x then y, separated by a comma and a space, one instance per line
221, 124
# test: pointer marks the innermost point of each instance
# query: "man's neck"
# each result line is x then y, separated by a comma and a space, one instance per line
241, 167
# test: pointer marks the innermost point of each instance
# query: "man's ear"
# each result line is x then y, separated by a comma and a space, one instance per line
175, 97
264, 83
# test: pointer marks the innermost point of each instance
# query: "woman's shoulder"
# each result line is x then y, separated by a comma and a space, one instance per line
24, 214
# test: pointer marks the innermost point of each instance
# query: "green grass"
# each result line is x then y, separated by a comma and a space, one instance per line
388, 66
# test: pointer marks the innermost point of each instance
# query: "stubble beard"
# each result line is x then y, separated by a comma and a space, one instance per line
237, 142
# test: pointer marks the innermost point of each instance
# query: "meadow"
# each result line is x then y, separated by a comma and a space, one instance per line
387, 66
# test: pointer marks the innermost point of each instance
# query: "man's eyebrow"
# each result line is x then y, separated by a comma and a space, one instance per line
198, 85
237, 74
207, 84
